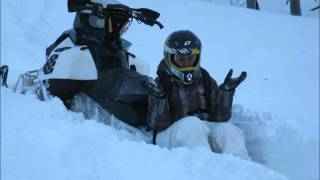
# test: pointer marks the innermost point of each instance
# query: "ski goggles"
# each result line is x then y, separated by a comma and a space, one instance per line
184, 61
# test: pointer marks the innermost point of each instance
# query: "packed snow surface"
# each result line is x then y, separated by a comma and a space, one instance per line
277, 106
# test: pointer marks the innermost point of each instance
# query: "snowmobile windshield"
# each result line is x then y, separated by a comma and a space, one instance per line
96, 22
105, 2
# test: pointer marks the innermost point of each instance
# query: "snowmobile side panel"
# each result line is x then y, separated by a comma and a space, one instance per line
131, 113
120, 92
68, 61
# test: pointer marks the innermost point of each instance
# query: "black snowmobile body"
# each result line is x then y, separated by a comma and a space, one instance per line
113, 83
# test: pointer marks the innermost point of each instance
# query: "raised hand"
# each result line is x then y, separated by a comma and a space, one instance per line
231, 84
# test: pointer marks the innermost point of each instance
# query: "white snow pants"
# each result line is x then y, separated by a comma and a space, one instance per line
222, 137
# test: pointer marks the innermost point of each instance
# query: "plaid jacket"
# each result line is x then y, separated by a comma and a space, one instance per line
210, 104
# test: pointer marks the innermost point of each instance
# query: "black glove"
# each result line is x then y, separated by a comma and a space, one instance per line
231, 84
153, 89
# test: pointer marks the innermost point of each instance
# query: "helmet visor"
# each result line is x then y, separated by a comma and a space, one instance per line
185, 61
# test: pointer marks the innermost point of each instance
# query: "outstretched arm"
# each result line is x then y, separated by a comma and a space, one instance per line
221, 97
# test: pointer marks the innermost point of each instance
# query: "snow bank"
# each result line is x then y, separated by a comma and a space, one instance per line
277, 143
42, 140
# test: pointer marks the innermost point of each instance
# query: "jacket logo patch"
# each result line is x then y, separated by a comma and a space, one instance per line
189, 77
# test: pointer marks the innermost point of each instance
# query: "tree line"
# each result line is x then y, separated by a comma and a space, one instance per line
295, 7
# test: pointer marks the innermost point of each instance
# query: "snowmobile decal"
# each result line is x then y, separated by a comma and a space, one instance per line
48, 66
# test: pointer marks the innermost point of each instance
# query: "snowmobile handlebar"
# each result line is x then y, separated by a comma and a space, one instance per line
147, 16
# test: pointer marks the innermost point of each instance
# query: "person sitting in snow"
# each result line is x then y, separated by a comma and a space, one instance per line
186, 106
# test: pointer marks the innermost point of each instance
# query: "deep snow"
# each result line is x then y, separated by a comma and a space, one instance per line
277, 106
52, 143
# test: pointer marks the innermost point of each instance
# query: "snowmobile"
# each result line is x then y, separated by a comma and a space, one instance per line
90, 68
